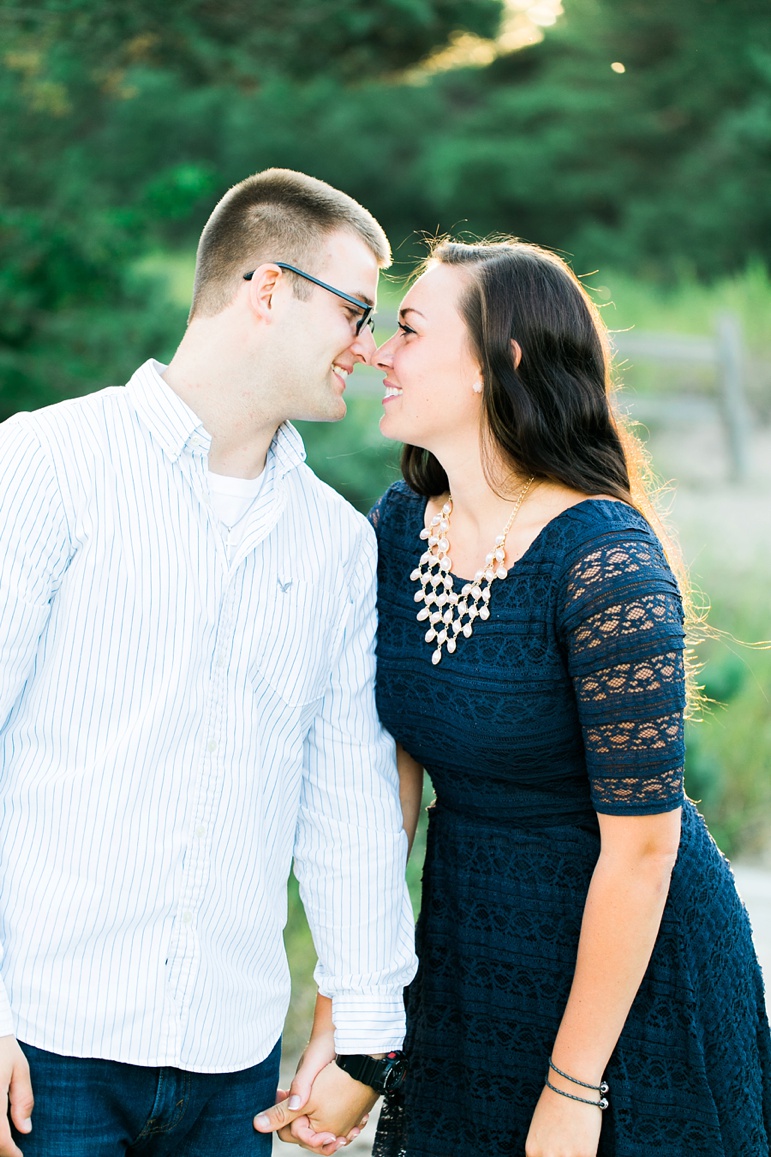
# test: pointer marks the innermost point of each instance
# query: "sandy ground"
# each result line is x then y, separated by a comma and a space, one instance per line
754, 884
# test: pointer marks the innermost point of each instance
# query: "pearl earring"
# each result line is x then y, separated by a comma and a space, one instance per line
477, 387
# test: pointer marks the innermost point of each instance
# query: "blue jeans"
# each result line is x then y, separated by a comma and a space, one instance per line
94, 1108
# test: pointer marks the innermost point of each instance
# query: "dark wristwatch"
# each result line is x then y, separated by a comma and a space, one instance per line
383, 1076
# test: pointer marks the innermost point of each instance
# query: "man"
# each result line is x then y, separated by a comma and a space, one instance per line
186, 702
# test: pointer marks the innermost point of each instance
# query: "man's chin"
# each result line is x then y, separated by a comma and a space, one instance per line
332, 413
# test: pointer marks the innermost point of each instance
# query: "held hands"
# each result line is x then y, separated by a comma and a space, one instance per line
328, 1108
15, 1095
563, 1128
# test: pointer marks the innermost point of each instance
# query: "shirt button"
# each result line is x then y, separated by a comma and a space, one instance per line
221, 659
212, 745
200, 831
187, 917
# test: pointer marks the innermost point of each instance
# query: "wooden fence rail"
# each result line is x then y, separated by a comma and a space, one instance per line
723, 352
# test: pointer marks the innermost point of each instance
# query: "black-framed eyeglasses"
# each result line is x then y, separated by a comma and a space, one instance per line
366, 310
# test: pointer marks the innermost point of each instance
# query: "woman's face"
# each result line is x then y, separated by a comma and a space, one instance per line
431, 368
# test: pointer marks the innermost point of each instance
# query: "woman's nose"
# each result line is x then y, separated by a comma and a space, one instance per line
381, 356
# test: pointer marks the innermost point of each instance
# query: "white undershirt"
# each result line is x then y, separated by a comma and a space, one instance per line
232, 499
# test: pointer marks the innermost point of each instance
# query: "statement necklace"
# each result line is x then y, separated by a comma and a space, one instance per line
444, 609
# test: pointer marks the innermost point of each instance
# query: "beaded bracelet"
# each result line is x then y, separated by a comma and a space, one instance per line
602, 1088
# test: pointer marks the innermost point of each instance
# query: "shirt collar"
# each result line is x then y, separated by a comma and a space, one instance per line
175, 426
170, 421
288, 447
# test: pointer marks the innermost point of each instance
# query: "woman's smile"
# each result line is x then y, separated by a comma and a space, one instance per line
391, 391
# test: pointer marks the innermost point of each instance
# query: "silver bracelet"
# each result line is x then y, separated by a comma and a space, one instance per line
601, 1104
602, 1088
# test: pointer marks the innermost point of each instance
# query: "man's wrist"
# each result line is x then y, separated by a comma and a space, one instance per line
382, 1073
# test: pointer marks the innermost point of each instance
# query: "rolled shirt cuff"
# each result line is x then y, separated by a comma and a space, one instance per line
367, 1023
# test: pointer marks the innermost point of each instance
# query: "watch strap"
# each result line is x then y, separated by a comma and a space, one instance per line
370, 1071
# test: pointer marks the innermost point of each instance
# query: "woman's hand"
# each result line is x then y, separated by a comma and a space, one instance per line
563, 1128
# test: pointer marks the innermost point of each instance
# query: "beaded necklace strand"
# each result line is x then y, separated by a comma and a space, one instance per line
444, 609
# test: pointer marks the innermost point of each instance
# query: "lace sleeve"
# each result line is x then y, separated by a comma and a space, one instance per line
623, 632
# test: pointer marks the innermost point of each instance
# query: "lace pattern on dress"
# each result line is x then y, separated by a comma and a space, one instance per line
607, 565
625, 657
634, 617
631, 793
632, 678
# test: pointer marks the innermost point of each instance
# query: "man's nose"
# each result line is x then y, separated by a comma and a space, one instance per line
365, 346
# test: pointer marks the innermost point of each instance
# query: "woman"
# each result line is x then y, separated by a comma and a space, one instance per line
579, 928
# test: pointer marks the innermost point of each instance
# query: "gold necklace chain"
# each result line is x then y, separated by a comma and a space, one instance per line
443, 607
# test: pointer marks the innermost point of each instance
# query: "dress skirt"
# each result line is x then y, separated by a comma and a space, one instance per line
497, 940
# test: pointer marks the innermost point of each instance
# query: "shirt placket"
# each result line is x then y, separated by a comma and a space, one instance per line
209, 783
185, 949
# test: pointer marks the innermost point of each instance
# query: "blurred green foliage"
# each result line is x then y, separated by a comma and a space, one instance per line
728, 746
232, 41
120, 125
657, 166
353, 457
727, 762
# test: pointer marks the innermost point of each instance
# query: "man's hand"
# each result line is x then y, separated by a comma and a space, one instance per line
335, 1113
15, 1095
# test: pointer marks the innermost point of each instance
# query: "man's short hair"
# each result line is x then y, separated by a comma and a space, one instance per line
276, 215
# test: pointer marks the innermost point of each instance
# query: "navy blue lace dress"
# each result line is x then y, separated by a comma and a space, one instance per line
565, 703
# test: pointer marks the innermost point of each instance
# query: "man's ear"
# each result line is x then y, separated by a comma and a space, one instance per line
516, 350
262, 287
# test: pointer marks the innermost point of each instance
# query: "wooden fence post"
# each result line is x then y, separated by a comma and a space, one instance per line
730, 352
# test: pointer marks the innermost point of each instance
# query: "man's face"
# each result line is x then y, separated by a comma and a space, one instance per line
319, 346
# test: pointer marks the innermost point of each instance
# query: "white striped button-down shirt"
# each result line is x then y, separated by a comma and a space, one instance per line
174, 727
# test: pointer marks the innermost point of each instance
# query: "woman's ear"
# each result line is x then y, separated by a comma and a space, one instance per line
516, 350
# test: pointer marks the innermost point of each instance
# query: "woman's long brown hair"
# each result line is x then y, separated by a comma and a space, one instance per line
551, 415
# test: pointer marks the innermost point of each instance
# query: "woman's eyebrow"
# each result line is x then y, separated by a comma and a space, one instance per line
409, 309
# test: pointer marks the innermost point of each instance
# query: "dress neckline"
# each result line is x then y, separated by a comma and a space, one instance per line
584, 502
